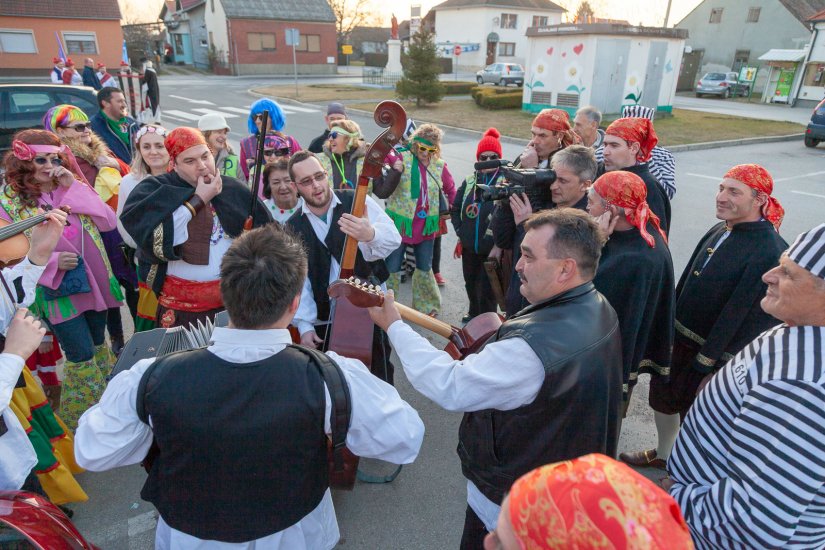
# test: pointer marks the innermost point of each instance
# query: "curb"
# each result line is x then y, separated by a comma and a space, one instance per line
517, 141
733, 143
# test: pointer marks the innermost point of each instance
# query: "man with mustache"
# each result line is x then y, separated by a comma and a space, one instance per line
717, 299
546, 387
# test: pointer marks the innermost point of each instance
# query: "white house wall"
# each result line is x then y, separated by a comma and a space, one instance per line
567, 64
216, 24
472, 25
814, 93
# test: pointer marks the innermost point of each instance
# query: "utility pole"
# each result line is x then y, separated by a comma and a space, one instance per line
667, 12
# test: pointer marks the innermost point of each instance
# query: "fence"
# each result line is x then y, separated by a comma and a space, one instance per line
377, 76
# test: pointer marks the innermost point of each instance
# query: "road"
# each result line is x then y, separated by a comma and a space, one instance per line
424, 507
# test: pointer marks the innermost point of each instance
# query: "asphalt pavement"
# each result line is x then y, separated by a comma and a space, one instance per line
424, 507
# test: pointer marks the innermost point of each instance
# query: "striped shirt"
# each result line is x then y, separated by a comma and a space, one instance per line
662, 165
748, 465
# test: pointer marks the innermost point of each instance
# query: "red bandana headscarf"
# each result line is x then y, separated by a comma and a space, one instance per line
557, 120
181, 139
756, 177
594, 502
628, 191
639, 130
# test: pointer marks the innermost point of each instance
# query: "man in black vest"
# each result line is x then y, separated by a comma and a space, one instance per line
323, 223
241, 426
546, 387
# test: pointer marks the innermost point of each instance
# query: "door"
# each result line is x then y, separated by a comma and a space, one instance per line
653, 75
609, 76
491, 52
687, 73
183, 48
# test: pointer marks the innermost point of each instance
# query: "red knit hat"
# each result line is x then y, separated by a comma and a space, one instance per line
69, 62
56, 60
489, 142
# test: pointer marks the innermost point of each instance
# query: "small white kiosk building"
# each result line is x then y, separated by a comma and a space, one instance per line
605, 65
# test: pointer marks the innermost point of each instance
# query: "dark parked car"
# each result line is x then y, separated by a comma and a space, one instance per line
722, 84
816, 127
23, 106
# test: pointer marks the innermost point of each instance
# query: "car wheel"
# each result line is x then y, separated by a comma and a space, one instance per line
746, 91
519, 84
726, 94
811, 142
479, 80
502, 82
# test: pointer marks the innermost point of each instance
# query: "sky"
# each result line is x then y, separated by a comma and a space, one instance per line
645, 12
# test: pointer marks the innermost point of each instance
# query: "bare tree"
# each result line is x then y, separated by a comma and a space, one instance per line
584, 13
350, 14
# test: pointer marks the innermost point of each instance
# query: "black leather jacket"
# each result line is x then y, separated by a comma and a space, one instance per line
577, 410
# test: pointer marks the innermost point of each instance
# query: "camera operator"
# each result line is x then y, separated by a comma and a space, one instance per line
470, 214
575, 169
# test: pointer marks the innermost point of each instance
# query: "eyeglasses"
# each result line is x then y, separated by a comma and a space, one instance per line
333, 135
258, 117
55, 161
318, 176
427, 149
284, 181
490, 156
82, 127
282, 152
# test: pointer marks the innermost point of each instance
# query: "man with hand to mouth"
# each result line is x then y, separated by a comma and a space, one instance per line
183, 222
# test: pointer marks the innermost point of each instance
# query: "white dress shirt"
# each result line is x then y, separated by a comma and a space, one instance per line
383, 426
17, 456
505, 375
387, 239
127, 185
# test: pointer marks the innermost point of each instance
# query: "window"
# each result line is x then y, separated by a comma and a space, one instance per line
17, 42
309, 43
212, 5
261, 41
740, 59
539, 21
29, 102
506, 49
82, 103
80, 42
814, 75
509, 20
753, 15
715, 15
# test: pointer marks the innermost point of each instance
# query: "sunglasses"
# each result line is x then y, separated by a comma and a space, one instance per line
333, 135
82, 127
283, 152
490, 156
55, 161
257, 117
427, 149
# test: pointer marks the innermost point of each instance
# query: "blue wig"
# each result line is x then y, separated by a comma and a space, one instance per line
276, 115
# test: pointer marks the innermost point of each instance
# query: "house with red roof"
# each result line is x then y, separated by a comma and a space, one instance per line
30, 31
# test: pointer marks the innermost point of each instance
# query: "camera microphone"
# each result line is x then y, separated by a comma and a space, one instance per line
488, 164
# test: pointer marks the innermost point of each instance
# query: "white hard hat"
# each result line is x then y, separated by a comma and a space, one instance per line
212, 121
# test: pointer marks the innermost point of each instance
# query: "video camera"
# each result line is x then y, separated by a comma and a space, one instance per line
533, 182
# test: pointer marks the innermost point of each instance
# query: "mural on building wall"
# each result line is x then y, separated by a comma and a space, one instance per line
633, 88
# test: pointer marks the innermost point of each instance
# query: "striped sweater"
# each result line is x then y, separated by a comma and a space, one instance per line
749, 462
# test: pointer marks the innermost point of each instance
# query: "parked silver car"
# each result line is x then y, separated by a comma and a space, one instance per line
722, 84
501, 73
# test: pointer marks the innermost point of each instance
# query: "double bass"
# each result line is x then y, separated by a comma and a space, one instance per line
350, 332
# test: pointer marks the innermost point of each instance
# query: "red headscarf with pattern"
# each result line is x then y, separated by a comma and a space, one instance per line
557, 120
180, 139
756, 177
594, 502
628, 191
639, 130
